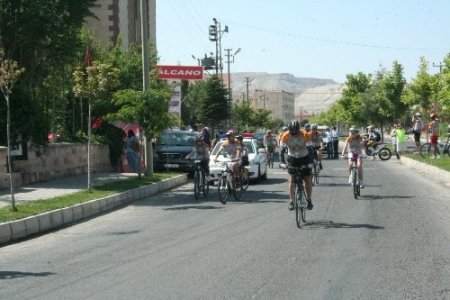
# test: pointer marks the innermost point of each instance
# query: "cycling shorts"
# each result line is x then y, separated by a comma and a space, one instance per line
270, 148
434, 139
294, 164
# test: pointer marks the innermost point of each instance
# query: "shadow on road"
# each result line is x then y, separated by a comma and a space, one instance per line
16, 274
331, 225
383, 197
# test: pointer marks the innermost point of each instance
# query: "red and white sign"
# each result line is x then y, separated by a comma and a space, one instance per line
180, 72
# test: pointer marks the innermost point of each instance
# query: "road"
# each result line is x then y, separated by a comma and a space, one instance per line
392, 243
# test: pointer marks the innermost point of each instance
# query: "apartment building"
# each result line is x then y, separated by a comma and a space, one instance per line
280, 103
121, 17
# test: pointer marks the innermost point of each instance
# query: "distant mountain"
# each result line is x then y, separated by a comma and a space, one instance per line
282, 81
312, 95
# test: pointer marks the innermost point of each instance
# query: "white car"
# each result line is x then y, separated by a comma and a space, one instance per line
257, 160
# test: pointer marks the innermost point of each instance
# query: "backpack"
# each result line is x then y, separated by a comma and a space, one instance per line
245, 161
377, 136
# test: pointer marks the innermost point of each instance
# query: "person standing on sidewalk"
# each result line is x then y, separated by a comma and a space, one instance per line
434, 130
133, 152
394, 139
417, 129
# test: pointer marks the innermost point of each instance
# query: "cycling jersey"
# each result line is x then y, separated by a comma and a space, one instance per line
232, 148
296, 144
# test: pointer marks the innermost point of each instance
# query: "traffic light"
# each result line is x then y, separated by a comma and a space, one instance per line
213, 33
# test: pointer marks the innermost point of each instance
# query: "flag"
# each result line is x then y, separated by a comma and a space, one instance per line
88, 57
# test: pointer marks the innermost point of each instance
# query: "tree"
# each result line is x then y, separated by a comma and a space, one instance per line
98, 79
243, 116
9, 74
147, 108
214, 108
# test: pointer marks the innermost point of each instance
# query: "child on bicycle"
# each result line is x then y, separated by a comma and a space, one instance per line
201, 151
269, 143
355, 145
244, 150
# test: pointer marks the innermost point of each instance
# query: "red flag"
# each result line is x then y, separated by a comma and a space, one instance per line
88, 58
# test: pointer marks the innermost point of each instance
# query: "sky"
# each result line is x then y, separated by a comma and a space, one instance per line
325, 39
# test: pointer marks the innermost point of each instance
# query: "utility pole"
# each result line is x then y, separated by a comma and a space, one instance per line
148, 147
247, 84
230, 59
440, 72
215, 35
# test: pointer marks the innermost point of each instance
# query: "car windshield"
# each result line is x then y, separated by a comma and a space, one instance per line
248, 144
178, 139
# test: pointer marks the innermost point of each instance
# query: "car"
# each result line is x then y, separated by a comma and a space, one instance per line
256, 155
171, 149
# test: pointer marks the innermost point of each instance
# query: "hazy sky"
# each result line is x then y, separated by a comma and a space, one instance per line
314, 38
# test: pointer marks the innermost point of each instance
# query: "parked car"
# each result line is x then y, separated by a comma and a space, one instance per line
257, 160
171, 149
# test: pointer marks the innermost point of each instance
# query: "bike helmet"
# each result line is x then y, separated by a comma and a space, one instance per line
229, 132
314, 126
433, 116
284, 128
353, 129
239, 137
294, 126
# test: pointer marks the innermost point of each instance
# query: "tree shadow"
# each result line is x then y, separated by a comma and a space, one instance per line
124, 232
17, 274
339, 225
383, 197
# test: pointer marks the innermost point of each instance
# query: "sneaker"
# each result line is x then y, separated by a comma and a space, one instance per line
438, 156
320, 166
291, 205
361, 184
310, 205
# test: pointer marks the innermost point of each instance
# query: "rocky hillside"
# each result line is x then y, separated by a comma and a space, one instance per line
312, 95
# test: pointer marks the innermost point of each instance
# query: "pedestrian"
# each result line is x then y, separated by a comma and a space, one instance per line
394, 139
401, 138
335, 139
133, 152
417, 129
434, 130
206, 136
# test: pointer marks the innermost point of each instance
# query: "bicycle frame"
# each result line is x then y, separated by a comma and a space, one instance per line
355, 176
300, 198
228, 185
200, 183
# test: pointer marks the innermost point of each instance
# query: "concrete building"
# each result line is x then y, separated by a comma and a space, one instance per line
121, 17
280, 103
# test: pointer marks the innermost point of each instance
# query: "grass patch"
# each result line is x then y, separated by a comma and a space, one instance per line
44, 205
442, 163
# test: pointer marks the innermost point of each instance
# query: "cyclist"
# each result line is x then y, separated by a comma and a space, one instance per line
354, 143
201, 151
373, 138
284, 130
233, 150
295, 141
317, 144
269, 143
244, 157
434, 130
417, 130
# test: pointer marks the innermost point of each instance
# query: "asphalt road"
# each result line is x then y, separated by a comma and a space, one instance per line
392, 243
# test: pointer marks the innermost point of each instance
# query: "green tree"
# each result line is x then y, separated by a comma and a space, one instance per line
9, 74
147, 108
214, 108
243, 116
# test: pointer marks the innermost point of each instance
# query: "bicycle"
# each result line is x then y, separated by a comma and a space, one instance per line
269, 157
315, 172
244, 177
228, 185
299, 197
200, 182
427, 151
355, 176
382, 150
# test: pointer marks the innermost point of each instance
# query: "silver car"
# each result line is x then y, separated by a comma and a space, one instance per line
257, 160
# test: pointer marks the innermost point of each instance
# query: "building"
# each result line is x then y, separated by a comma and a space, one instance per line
121, 17
280, 103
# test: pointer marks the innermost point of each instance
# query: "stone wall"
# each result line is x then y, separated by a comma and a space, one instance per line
58, 160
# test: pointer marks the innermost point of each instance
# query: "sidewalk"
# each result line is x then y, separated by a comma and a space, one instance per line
58, 187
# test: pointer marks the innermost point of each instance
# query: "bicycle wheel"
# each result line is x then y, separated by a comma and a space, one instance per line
384, 154
299, 209
425, 150
205, 186
197, 184
355, 184
223, 189
245, 179
237, 190
316, 174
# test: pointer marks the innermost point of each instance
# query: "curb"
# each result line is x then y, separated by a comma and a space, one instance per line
434, 172
38, 224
